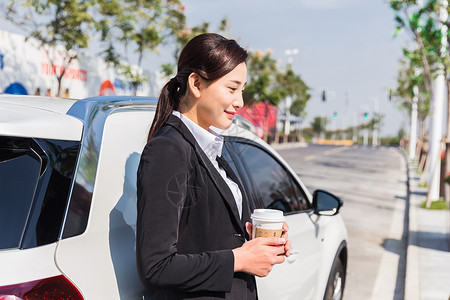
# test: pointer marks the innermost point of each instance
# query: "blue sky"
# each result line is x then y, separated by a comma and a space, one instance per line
345, 46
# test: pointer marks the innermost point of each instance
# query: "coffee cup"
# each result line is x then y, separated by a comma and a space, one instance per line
267, 223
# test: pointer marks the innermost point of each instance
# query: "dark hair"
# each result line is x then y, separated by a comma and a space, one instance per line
210, 56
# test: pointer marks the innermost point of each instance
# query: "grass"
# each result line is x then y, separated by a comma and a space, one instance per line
423, 185
438, 204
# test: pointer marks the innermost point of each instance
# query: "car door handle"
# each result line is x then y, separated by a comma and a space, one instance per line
293, 256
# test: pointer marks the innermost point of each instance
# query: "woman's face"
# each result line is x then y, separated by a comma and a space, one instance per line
218, 101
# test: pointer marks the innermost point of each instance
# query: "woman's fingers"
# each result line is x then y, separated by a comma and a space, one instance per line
272, 241
249, 228
287, 245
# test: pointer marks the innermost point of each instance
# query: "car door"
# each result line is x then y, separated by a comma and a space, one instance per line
270, 185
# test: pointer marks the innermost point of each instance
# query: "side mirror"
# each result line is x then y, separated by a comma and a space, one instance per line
325, 203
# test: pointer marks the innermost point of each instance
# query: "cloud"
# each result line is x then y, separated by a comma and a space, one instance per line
325, 4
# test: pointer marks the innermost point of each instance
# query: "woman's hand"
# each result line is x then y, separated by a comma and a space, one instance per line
258, 256
287, 245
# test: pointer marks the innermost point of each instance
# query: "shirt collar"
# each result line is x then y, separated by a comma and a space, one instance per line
210, 142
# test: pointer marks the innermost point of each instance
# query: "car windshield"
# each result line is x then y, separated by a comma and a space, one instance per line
35, 178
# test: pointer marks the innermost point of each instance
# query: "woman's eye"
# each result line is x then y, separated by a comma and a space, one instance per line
232, 89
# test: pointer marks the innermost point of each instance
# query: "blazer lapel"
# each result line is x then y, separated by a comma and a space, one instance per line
217, 179
245, 205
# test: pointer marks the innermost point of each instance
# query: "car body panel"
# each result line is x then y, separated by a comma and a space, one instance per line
19, 266
56, 105
286, 281
38, 118
98, 256
336, 233
93, 112
108, 244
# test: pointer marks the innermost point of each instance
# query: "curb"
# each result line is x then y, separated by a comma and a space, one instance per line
412, 284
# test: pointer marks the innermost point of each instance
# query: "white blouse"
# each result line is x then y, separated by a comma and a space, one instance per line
212, 143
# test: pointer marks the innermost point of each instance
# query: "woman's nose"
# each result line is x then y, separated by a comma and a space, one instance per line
239, 101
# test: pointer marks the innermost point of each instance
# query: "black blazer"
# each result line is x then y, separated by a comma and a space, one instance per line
187, 221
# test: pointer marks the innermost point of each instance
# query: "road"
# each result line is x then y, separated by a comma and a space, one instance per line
372, 181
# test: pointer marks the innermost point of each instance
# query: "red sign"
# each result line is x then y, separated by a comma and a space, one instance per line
262, 115
70, 73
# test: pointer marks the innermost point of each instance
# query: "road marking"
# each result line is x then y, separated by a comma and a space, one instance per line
328, 152
310, 157
393, 250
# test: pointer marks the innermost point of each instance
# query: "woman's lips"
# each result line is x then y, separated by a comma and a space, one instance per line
230, 113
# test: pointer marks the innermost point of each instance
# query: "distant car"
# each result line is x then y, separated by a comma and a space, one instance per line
68, 203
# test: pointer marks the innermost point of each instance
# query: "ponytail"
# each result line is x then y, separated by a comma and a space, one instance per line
169, 100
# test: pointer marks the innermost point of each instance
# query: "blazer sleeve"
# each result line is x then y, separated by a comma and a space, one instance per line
161, 191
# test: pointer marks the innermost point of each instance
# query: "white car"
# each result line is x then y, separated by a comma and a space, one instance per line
68, 203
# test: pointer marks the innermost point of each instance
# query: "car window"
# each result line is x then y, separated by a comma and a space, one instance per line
35, 180
19, 175
272, 184
226, 155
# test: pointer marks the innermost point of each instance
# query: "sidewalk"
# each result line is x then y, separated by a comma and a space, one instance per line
428, 253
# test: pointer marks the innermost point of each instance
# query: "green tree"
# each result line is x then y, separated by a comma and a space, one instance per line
423, 23
55, 24
184, 34
319, 125
138, 25
262, 84
409, 82
291, 85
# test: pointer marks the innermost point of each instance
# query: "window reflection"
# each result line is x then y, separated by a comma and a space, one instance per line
272, 183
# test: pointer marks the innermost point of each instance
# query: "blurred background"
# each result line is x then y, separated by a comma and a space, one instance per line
343, 54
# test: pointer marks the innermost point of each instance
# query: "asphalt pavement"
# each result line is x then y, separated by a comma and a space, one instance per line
414, 262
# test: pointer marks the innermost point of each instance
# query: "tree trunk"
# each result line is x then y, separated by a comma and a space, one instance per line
447, 147
426, 66
135, 88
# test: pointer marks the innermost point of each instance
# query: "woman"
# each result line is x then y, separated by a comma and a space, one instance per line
193, 219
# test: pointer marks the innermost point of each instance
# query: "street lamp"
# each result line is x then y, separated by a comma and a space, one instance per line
290, 53
288, 100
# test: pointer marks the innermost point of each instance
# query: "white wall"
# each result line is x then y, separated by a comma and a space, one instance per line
28, 63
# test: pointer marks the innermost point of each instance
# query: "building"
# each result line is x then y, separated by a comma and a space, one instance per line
26, 68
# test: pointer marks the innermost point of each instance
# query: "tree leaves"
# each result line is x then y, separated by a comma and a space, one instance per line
141, 25
55, 23
268, 83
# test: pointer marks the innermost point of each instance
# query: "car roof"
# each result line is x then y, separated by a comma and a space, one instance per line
38, 117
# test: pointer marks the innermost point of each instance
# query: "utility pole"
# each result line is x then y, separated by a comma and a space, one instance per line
375, 125
413, 133
288, 100
365, 136
287, 121
354, 137
436, 115
344, 119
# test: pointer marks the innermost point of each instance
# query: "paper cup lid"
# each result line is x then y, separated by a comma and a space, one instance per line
268, 215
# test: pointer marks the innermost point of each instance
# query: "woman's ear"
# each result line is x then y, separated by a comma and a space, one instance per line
194, 85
